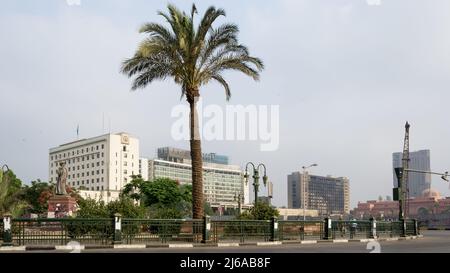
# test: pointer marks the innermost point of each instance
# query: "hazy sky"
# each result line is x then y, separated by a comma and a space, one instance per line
346, 75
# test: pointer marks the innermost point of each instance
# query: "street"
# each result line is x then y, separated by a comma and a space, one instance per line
433, 241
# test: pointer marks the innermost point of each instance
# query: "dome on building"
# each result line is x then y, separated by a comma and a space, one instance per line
431, 193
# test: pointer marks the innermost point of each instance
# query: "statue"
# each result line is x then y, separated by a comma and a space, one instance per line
62, 179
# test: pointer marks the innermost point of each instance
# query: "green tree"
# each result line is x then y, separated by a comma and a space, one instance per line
262, 211
10, 193
192, 57
134, 188
33, 195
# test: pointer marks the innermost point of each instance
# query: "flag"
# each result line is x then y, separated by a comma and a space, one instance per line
78, 129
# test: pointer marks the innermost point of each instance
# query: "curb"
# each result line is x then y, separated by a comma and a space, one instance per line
219, 245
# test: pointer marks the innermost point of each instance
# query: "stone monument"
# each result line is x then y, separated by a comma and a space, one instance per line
61, 204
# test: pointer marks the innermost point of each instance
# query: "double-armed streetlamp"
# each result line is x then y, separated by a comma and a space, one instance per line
305, 177
255, 178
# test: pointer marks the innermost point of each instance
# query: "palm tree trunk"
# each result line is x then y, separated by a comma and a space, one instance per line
196, 157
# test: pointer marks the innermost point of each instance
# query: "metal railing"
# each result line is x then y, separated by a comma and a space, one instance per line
350, 229
240, 230
106, 231
141, 231
61, 231
300, 230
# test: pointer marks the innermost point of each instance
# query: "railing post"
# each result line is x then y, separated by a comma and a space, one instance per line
7, 232
327, 228
117, 229
206, 229
373, 228
416, 227
273, 229
403, 231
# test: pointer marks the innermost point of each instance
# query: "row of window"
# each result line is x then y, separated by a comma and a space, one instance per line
82, 166
63, 155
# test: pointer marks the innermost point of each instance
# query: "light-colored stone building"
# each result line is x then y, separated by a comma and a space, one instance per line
102, 164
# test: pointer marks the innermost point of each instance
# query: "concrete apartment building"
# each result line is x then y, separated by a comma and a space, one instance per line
328, 195
98, 166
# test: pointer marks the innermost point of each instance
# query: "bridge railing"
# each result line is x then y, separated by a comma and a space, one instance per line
107, 231
299, 230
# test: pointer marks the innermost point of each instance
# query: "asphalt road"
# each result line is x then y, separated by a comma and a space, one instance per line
433, 241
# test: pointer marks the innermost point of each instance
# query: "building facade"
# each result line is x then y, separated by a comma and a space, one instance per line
430, 203
180, 155
222, 183
417, 182
99, 164
326, 194
143, 168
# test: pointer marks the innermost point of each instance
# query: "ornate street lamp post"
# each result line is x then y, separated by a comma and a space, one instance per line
255, 178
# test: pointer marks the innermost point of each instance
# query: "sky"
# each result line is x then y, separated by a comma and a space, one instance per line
346, 75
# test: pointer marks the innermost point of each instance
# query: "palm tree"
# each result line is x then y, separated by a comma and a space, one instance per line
192, 57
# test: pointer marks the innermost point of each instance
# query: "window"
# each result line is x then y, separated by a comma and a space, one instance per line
98, 172
82, 182
78, 183
98, 180
78, 175
82, 166
102, 171
92, 172
78, 152
82, 158
92, 165
97, 147
103, 163
78, 159
92, 181
125, 155
82, 174
51, 172
98, 164
78, 167
73, 153
102, 187
98, 155
103, 146
87, 181
51, 157
82, 151
124, 148
125, 163
125, 172
103, 154
92, 157
97, 188
102, 179
92, 148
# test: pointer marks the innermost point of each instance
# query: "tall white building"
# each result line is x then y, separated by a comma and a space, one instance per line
99, 164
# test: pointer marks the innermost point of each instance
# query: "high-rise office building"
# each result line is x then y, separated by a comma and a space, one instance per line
417, 182
100, 164
328, 195
222, 183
